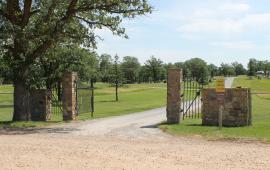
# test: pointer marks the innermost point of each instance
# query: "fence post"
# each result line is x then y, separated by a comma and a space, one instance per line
173, 96
69, 95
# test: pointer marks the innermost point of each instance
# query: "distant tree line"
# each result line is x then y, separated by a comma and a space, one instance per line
255, 66
90, 65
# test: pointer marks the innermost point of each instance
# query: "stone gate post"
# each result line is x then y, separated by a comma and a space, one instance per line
173, 96
69, 95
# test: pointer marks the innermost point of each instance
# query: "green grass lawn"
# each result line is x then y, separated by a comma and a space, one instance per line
132, 98
6, 102
261, 117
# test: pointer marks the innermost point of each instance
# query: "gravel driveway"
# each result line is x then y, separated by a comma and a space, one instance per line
124, 142
229, 82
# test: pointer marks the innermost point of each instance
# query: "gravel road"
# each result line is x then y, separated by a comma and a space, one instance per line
124, 142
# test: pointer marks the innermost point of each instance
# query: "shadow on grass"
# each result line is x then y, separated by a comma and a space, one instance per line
196, 125
26, 128
107, 101
6, 106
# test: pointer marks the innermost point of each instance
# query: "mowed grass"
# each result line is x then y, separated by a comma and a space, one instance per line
261, 117
132, 98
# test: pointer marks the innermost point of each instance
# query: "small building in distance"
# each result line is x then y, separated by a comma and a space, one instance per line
260, 74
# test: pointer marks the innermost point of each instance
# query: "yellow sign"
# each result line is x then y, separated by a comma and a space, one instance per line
220, 85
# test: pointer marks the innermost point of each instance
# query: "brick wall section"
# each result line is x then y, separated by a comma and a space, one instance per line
237, 108
69, 95
173, 96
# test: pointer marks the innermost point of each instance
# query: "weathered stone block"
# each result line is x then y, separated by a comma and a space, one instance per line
237, 107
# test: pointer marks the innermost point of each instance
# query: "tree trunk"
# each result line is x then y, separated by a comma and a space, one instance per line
21, 102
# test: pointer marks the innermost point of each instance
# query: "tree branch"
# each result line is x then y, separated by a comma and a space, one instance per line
94, 22
53, 37
12, 9
26, 12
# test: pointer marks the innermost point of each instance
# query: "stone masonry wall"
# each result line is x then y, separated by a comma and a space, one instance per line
173, 96
69, 95
237, 108
40, 106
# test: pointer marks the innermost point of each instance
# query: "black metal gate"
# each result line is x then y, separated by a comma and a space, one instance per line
191, 98
85, 98
55, 95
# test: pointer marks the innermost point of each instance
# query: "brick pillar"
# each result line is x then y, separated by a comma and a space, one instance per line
69, 95
173, 96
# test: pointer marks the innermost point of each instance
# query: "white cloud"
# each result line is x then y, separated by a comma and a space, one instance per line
240, 45
236, 8
226, 20
212, 26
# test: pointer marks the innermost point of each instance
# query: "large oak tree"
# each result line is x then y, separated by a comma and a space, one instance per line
31, 28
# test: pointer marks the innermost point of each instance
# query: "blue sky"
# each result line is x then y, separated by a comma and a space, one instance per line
215, 30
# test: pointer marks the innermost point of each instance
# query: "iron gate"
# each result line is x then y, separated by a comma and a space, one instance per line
84, 98
191, 98
55, 95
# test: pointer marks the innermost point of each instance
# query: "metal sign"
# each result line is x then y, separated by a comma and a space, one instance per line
220, 85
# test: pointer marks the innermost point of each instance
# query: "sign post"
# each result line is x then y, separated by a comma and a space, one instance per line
220, 92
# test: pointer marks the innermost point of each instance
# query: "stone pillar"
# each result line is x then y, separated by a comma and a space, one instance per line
173, 96
69, 95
